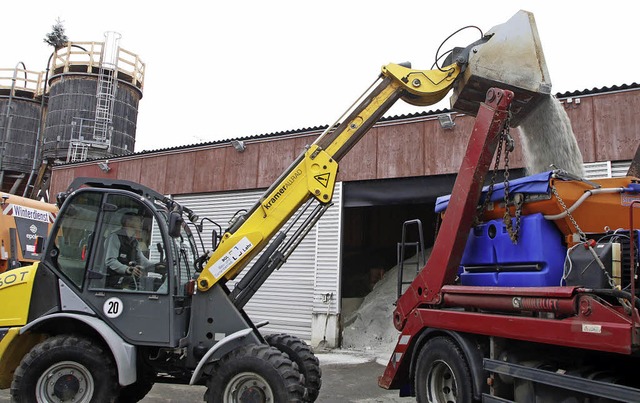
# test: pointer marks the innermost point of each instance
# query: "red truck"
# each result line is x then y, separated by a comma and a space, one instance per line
530, 292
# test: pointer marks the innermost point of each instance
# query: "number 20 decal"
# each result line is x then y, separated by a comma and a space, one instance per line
112, 307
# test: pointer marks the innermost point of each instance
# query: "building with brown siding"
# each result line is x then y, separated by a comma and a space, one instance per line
392, 175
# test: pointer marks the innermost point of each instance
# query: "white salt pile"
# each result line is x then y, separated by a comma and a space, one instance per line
370, 328
549, 139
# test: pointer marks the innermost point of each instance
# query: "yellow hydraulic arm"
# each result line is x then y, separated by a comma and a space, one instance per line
313, 175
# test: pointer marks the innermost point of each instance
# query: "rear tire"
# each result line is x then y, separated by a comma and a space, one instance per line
255, 373
442, 373
65, 368
300, 353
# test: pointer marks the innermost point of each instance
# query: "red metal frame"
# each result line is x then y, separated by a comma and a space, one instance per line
580, 319
597, 326
452, 237
632, 265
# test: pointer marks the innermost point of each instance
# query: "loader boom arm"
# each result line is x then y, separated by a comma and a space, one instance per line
313, 174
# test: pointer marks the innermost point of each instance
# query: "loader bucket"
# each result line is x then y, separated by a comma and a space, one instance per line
510, 58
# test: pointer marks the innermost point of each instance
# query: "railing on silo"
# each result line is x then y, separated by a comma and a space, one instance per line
110, 66
21, 82
85, 57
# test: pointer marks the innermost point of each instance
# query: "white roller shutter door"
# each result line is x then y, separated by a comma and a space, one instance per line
286, 299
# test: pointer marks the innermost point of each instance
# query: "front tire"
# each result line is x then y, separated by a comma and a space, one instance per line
442, 373
257, 374
300, 353
65, 368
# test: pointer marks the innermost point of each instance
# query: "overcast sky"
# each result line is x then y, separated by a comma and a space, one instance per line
222, 70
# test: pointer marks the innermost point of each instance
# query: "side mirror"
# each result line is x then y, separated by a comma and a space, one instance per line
175, 224
214, 240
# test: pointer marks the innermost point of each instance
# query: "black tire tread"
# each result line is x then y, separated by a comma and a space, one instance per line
272, 357
308, 364
445, 345
64, 342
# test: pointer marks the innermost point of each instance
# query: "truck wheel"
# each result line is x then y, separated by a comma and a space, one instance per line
65, 368
300, 353
256, 374
442, 373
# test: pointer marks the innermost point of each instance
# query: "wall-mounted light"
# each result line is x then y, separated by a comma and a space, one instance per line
446, 121
104, 166
572, 102
238, 145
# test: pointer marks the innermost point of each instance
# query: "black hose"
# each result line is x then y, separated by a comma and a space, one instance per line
608, 292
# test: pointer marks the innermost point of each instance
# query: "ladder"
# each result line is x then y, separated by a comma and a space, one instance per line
106, 88
419, 254
77, 151
96, 133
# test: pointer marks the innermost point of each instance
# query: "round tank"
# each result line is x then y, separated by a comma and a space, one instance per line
20, 132
82, 82
20, 113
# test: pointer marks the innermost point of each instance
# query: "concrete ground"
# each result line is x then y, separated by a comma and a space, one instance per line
346, 377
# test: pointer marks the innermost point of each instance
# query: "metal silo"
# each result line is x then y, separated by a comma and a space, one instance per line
93, 97
20, 118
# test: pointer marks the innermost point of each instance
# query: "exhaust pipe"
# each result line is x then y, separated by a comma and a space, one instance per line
508, 57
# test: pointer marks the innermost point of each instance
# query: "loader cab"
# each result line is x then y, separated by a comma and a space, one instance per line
103, 233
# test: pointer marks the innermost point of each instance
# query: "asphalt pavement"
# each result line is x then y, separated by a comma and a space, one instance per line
347, 376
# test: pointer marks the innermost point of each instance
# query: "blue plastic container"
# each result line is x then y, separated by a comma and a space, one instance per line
491, 259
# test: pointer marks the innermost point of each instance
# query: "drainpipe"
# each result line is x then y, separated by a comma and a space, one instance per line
39, 142
36, 154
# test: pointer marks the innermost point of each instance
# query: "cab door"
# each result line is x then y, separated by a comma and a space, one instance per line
137, 308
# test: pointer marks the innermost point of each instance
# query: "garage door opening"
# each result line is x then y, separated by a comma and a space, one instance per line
371, 237
373, 215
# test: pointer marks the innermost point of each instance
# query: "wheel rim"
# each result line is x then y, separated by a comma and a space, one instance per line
248, 387
66, 381
441, 383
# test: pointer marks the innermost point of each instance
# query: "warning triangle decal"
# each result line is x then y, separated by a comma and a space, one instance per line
323, 179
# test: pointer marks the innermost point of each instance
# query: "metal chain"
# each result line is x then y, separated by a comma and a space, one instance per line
583, 236
506, 139
492, 182
504, 142
583, 239
512, 230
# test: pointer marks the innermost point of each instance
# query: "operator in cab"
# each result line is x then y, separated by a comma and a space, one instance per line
123, 256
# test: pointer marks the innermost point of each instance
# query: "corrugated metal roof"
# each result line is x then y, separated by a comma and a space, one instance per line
319, 129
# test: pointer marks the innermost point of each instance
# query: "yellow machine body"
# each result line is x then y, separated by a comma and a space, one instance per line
15, 293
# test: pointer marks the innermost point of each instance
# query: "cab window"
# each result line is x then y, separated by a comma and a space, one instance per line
184, 249
74, 237
125, 258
